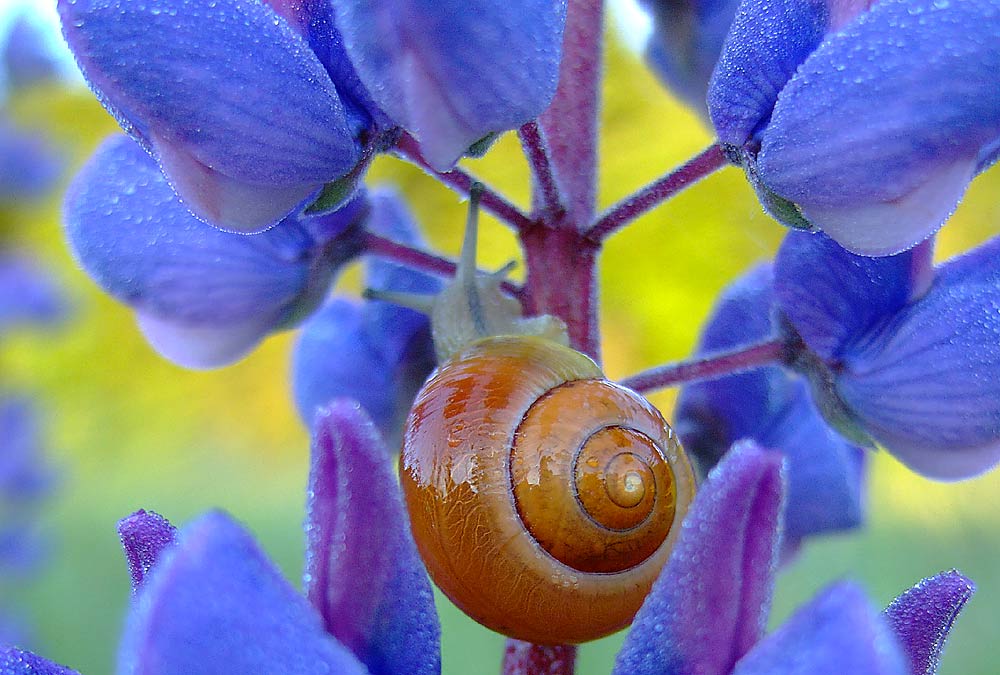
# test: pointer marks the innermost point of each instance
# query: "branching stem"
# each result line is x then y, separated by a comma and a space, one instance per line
524, 658
709, 367
546, 191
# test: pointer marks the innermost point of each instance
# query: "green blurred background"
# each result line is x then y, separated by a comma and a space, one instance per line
129, 430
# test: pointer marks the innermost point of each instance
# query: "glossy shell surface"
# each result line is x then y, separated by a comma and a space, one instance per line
544, 499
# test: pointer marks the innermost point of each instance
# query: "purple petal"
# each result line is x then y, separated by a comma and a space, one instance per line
926, 384
204, 297
833, 297
710, 603
837, 632
145, 535
362, 568
24, 475
15, 662
686, 43
875, 150
767, 42
28, 167
923, 616
215, 605
233, 103
452, 71
27, 57
27, 293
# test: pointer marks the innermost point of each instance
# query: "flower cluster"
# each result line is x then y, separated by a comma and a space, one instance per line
208, 600
238, 195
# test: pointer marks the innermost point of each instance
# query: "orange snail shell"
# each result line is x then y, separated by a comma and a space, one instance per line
544, 499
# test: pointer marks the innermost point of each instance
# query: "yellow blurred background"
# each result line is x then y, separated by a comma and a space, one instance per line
129, 430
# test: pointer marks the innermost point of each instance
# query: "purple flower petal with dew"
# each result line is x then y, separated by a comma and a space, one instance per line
178, 76
454, 72
145, 535
362, 569
204, 298
871, 121
901, 352
16, 662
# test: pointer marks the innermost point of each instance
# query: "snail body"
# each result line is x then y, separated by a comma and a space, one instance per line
543, 498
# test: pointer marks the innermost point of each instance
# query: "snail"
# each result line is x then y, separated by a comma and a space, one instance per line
543, 498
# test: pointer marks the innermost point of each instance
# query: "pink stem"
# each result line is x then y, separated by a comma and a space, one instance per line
709, 367
570, 123
419, 260
547, 198
461, 182
707, 162
524, 658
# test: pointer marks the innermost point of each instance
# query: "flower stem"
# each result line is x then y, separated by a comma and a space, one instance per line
461, 182
570, 123
524, 658
546, 193
710, 367
707, 162
420, 260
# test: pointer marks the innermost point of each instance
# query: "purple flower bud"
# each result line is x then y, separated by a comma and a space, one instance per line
144, 536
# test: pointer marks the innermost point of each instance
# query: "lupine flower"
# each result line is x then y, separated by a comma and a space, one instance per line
899, 351
27, 294
686, 42
214, 604
374, 352
202, 297
28, 168
27, 58
866, 120
772, 407
25, 480
449, 73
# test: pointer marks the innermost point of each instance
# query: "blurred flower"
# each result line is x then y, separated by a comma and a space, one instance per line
27, 294
707, 612
214, 604
773, 408
203, 297
454, 71
25, 481
864, 119
28, 167
374, 352
27, 58
250, 107
686, 42
898, 351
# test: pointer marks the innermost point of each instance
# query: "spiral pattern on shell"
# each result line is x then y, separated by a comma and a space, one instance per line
544, 499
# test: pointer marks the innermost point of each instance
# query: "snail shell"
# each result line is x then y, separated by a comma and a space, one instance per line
544, 499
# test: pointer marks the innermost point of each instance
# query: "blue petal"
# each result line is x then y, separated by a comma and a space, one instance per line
215, 605
454, 71
686, 43
145, 536
833, 297
15, 662
710, 604
926, 384
837, 632
27, 57
923, 616
374, 352
27, 293
231, 101
767, 42
24, 475
27, 166
362, 568
204, 297
879, 132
